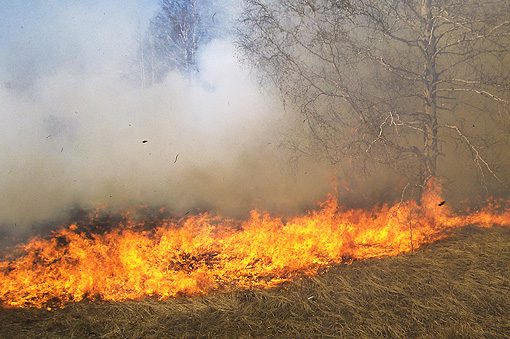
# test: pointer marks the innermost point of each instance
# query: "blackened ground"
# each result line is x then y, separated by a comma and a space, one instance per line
458, 287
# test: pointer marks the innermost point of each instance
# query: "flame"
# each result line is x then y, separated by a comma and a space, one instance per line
205, 252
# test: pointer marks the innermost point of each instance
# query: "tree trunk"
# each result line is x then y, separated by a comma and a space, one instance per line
431, 147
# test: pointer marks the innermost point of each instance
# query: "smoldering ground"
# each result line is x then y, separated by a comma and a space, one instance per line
75, 131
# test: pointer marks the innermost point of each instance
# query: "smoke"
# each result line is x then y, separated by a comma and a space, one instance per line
76, 132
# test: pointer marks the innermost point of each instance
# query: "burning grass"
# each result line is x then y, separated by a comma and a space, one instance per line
459, 286
205, 253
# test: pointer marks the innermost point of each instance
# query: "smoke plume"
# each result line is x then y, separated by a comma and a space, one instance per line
77, 132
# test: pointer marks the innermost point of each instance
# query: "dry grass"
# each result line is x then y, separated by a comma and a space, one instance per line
459, 287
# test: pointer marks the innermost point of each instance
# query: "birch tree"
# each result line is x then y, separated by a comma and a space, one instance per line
391, 82
177, 30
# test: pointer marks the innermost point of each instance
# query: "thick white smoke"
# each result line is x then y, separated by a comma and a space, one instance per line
73, 126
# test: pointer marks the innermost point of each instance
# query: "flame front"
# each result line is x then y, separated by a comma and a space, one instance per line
205, 253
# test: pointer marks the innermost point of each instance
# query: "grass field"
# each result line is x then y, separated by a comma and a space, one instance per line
458, 287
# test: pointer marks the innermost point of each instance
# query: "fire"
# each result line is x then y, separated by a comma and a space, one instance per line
205, 252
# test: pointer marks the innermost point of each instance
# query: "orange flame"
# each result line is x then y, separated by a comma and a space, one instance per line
205, 252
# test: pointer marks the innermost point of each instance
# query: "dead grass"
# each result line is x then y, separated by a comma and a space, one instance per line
459, 287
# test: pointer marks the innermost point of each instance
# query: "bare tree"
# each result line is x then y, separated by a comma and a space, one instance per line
145, 59
394, 82
177, 30
174, 37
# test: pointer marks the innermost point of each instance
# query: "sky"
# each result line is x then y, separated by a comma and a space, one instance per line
41, 37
